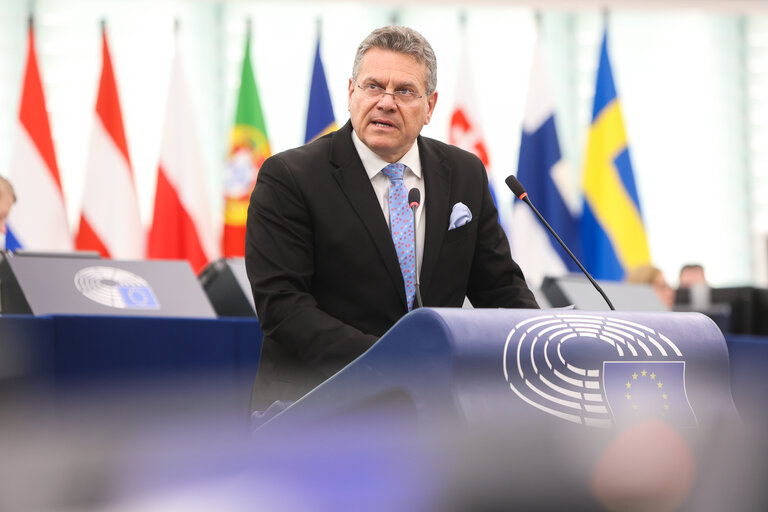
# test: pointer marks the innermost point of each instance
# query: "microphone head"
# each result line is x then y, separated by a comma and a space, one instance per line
515, 186
414, 197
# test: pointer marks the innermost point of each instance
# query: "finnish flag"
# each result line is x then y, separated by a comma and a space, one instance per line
550, 185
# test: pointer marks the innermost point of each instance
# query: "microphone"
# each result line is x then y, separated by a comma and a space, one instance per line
414, 198
517, 188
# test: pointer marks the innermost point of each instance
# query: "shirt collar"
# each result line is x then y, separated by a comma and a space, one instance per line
373, 163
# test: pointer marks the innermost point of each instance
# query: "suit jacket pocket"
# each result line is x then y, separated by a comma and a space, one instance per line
459, 233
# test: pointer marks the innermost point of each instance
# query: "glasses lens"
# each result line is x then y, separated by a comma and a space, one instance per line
375, 92
405, 97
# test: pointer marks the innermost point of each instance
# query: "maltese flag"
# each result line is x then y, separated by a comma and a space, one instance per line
38, 220
182, 225
110, 222
546, 177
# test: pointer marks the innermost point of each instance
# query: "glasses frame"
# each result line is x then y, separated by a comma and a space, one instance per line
404, 100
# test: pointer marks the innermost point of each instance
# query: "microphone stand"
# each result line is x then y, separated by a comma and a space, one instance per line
413, 201
519, 191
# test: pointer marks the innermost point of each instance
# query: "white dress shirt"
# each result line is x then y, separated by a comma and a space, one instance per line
412, 178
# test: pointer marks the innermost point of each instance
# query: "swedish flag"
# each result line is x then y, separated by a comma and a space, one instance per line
613, 235
320, 118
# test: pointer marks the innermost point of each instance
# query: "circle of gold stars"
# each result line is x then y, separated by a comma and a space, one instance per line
637, 378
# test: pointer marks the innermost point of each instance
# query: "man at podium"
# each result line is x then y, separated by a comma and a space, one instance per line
339, 244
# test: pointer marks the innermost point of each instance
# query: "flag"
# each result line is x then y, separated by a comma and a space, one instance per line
613, 236
545, 176
320, 118
248, 149
641, 390
465, 130
110, 222
38, 220
182, 225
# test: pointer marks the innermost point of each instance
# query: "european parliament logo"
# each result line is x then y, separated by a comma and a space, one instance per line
115, 287
597, 371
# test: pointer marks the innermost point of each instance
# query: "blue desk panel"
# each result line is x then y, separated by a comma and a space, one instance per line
75, 351
749, 375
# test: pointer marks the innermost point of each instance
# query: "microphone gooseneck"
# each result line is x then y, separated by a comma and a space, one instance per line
414, 198
517, 188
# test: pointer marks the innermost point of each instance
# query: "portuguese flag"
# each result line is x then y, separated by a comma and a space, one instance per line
248, 148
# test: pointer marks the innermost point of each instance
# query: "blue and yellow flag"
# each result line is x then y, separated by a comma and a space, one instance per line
320, 118
613, 236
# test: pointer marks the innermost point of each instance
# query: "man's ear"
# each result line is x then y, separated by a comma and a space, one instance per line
431, 102
350, 89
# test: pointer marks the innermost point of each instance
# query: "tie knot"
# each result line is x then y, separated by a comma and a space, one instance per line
394, 171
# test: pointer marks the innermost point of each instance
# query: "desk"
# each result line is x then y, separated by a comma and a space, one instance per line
66, 350
72, 351
749, 375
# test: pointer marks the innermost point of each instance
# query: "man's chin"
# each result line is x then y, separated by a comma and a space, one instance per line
382, 146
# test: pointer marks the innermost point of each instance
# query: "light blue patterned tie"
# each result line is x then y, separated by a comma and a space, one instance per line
401, 225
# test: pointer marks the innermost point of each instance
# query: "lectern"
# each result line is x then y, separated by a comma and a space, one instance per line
596, 369
538, 410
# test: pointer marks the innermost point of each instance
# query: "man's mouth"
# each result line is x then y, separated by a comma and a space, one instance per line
383, 124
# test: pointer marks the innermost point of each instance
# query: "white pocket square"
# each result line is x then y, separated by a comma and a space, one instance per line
460, 215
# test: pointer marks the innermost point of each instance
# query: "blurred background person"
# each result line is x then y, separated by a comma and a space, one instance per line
7, 198
694, 281
648, 274
691, 274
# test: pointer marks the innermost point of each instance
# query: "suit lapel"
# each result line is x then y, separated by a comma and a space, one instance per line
437, 187
353, 180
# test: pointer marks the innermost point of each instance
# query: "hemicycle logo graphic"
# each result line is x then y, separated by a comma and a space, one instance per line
115, 287
596, 370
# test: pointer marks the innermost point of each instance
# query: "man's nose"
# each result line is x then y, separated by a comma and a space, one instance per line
387, 101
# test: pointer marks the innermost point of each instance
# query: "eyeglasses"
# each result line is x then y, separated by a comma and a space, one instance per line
402, 96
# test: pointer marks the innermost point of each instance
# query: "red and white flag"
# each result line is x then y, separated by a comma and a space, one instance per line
110, 222
465, 130
182, 226
39, 218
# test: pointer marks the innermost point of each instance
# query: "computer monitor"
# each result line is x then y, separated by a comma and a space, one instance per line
43, 284
576, 290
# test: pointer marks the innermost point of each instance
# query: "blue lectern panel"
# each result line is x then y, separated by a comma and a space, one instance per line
587, 368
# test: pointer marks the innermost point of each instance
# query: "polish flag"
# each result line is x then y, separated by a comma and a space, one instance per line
38, 220
110, 222
182, 226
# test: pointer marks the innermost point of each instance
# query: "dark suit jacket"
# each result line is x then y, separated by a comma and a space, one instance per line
324, 270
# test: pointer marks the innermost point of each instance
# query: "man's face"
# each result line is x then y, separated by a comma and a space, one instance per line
386, 125
692, 276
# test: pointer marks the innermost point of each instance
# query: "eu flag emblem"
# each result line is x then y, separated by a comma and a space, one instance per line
648, 390
138, 297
